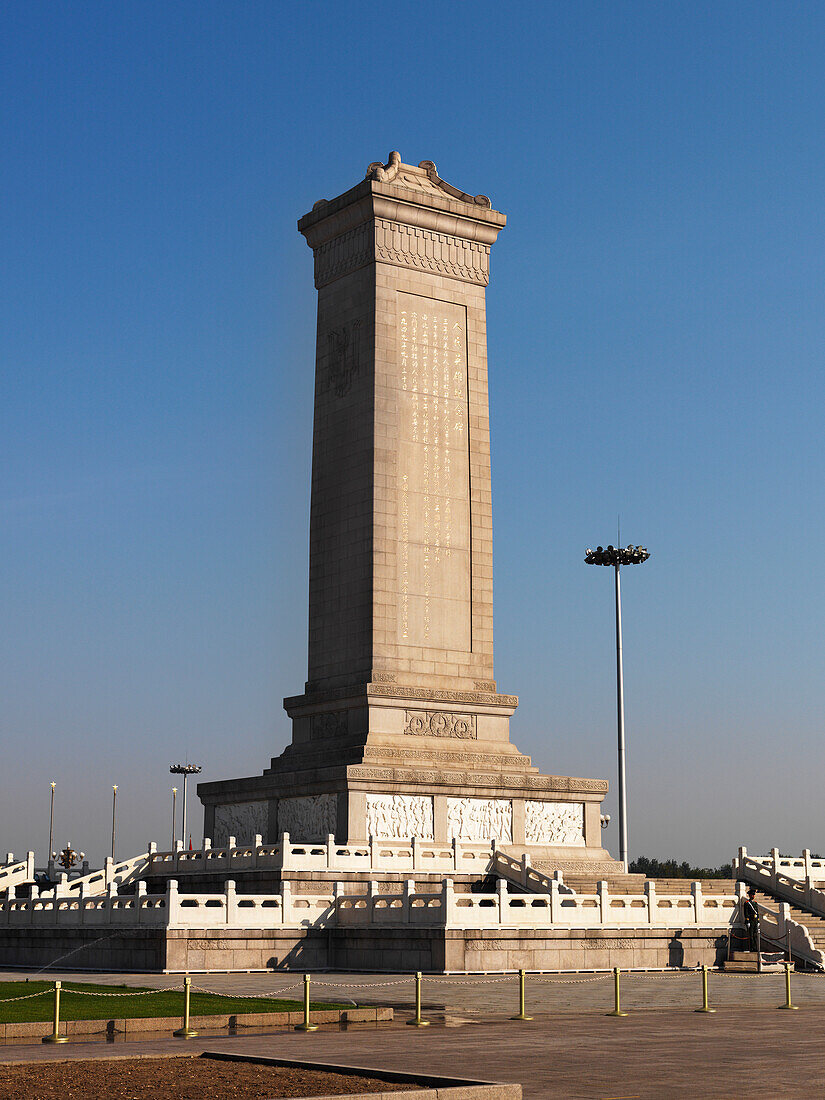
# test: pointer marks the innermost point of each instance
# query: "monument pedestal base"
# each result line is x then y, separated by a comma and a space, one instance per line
396, 761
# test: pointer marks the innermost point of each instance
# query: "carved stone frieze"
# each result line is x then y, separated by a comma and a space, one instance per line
427, 250
559, 824
441, 696
437, 756
438, 723
243, 820
480, 819
343, 254
309, 817
396, 816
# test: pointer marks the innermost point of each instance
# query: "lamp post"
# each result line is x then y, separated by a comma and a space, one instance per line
174, 800
51, 823
114, 807
185, 770
617, 557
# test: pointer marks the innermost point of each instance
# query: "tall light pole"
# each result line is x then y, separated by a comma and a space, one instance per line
617, 557
51, 825
114, 807
174, 800
185, 770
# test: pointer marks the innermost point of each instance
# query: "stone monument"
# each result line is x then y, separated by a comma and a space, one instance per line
401, 730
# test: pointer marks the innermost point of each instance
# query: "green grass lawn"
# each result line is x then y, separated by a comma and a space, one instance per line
75, 1006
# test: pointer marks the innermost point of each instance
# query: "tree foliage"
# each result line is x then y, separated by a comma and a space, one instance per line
670, 868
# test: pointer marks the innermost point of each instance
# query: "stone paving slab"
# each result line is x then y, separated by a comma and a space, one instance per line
651, 1055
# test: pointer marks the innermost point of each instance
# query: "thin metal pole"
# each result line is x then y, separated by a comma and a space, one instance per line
620, 709
185, 777
617, 999
55, 1036
114, 807
306, 1025
186, 1032
704, 1007
174, 799
416, 1021
51, 825
522, 1015
788, 1003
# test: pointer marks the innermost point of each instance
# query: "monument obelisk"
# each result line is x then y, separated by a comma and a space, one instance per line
401, 730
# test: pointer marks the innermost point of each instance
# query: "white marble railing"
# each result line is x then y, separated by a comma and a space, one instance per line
766, 874
414, 855
16, 873
99, 910
444, 908
602, 910
799, 867
523, 874
98, 882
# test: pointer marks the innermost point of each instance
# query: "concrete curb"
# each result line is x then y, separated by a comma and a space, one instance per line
34, 1031
442, 1088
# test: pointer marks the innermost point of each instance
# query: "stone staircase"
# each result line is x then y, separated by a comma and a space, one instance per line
815, 925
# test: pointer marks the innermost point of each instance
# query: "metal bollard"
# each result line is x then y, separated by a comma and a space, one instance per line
617, 1010
704, 1007
788, 1003
416, 1020
306, 1025
522, 1015
186, 1031
55, 1036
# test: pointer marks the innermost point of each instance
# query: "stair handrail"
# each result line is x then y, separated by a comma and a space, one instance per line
780, 929
766, 876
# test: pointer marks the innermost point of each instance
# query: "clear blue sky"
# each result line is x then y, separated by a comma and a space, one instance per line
656, 334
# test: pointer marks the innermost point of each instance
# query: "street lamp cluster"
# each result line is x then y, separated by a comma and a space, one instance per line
618, 556
185, 770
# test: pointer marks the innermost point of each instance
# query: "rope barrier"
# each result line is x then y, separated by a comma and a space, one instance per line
28, 997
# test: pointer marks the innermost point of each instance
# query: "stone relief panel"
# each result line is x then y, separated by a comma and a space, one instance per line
398, 816
343, 358
329, 724
480, 819
309, 817
241, 820
556, 823
437, 723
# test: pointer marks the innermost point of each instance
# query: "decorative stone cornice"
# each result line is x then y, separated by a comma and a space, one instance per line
376, 692
406, 216
424, 177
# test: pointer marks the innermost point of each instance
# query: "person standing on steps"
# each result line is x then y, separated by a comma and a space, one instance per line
750, 911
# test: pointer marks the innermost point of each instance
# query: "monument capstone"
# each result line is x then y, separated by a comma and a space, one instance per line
401, 730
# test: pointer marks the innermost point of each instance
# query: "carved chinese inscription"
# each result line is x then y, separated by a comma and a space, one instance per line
436, 723
433, 475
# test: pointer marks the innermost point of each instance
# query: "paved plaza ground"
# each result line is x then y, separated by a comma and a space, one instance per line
571, 1049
